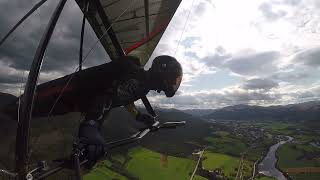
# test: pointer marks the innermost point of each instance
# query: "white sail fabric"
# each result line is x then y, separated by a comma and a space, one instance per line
138, 29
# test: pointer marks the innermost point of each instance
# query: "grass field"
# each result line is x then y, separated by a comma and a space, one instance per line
196, 177
147, 164
255, 153
306, 176
227, 163
283, 128
264, 178
222, 133
119, 158
226, 145
103, 173
305, 138
273, 125
300, 161
292, 156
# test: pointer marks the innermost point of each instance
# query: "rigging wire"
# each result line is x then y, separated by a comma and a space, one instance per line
86, 55
31, 11
85, 10
184, 28
20, 95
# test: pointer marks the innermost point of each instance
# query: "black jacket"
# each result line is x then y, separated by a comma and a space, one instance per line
123, 80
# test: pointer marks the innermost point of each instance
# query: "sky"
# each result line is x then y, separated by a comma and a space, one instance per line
257, 52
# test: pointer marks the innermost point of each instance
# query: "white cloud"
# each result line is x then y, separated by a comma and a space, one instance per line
261, 41
309, 57
272, 46
253, 64
233, 95
264, 84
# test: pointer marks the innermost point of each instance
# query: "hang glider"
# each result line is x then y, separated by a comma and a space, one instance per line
138, 30
124, 27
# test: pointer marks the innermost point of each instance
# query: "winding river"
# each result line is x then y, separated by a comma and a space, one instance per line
268, 164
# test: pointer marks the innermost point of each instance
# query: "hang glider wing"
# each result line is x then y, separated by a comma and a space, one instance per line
138, 29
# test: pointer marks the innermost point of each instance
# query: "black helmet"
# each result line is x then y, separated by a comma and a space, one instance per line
168, 72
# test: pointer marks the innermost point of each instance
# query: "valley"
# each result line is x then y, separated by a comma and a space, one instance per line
233, 148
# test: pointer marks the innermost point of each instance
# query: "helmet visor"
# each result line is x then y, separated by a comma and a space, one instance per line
172, 86
176, 85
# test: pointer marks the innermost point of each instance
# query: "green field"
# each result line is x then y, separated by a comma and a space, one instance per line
226, 145
146, 164
119, 158
222, 133
227, 163
271, 125
292, 155
196, 177
264, 178
304, 176
278, 128
299, 155
103, 173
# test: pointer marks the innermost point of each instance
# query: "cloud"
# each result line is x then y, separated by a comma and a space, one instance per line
214, 42
63, 49
189, 41
237, 95
62, 54
200, 8
217, 58
216, 98
234, 95
264, 84
309, 57
253, 64
14, 89
10, 75
302, 93
290, 76
269, 12
292, 2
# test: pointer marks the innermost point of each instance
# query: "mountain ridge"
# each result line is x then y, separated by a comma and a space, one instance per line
292, 112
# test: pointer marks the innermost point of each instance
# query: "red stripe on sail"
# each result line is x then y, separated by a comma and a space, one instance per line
52, 91
159, 29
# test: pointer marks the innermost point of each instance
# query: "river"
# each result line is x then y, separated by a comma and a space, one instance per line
268, 164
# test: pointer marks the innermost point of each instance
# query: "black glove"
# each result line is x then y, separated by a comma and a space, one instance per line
90, 136
146, 119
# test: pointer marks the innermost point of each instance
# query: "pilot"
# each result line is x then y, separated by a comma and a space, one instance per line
126, 82
95, 91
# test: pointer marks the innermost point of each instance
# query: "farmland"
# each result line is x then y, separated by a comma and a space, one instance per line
147, 164
227, 164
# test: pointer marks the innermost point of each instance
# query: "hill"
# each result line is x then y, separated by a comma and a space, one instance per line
198, 112
307, 111
52, 137
6, 98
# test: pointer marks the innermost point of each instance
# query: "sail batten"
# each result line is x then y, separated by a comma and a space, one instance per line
137, 31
